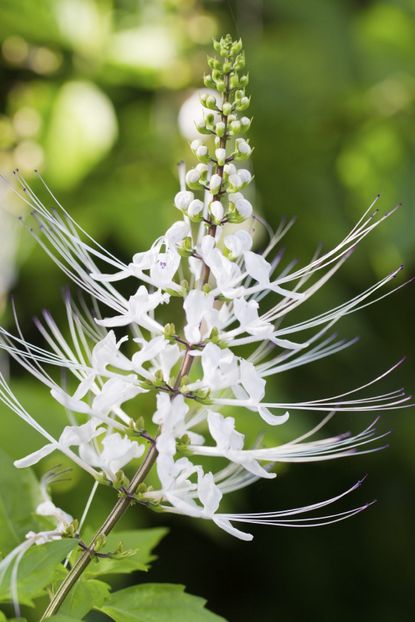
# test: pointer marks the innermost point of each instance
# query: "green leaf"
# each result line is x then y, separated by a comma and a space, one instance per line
86, 594
139, 541
157, 602
63, 618
19, 496
36, 571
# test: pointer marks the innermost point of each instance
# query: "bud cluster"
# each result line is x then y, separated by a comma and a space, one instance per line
225, 122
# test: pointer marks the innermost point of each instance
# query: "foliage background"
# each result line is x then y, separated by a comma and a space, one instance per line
90, 94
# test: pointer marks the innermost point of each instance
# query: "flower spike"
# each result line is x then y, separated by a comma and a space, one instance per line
231, 295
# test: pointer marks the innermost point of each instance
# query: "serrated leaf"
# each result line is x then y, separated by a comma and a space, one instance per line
141, 541
36, 570
19, 496
86, 594
157, 602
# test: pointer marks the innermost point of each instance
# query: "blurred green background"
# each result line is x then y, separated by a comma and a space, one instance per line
90, 95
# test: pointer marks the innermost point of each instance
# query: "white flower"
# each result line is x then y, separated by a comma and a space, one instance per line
230, 442
237, 243
117, 451
171, 417
49, 509
71, 436
226, 272
107, 352
113, 393
138, 309
246, 312
220, 367
201, 315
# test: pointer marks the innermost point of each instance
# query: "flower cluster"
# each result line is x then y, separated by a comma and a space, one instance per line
232, 296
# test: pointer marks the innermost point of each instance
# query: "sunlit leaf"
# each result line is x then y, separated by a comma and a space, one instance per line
157, 602
36, 570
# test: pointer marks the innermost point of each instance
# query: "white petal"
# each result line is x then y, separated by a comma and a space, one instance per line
34, 457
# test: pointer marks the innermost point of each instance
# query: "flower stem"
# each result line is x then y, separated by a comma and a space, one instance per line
108, 525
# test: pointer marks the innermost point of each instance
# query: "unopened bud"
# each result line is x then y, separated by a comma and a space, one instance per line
215, 184
220, 155
195, 209
227, 108
192, 178
183, 199
216, 209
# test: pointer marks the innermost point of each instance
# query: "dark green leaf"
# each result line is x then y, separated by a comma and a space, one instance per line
141, 541
86, 594
157, 602
36, 571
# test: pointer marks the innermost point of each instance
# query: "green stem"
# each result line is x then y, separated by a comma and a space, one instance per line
108, 525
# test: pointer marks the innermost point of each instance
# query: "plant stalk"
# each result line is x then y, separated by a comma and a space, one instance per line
108, 525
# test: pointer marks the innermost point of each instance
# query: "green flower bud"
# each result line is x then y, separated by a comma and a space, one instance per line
216, 75
234, 216
239, 62
217, 45
185, 249
169, 330
227, 108
201, 127
234, 82
236, 47
220, 86
220, 129
244, 80
158, 378
235, 127
243, 104
203, 396
245, 123
209, 121
208, 81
